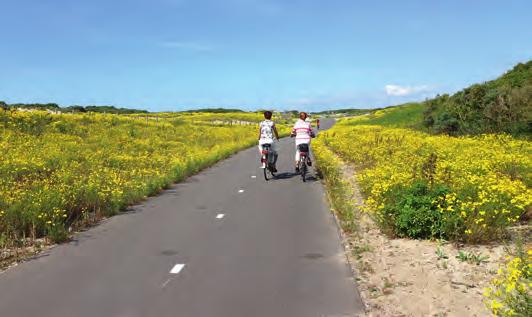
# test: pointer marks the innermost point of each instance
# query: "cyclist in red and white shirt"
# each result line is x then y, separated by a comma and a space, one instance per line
303, 133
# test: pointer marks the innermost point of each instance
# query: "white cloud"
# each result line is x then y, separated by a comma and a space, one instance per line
396, 90
188, 46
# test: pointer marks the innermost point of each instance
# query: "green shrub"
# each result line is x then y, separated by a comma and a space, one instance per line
412, 211
500, 105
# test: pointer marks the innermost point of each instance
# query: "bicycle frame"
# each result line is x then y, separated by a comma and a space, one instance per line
267, 156
267, 161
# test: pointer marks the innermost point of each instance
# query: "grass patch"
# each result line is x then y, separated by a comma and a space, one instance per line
404, 116
340, 192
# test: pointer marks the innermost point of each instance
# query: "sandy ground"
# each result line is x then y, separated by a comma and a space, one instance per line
402, 277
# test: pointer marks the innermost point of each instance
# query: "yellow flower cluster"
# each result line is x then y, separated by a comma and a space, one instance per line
488, 176
57, 169
510, 292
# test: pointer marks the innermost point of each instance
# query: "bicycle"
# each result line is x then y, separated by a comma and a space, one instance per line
303, 159
267, 160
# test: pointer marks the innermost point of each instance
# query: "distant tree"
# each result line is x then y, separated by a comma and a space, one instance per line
112, 109
215, 110
50, 106
76, 108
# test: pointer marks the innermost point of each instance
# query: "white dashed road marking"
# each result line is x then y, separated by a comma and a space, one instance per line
166, 283
253, 176
219, 216
241, 191
177, 268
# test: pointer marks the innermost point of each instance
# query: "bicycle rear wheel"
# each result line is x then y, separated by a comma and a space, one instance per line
266, 172
303, 169
268, 169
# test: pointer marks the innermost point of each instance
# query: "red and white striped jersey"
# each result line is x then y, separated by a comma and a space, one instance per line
303, 131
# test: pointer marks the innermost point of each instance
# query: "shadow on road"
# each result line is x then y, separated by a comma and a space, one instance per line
311, 178
285, 175
288, 175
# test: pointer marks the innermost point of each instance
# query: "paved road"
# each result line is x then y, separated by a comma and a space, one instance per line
274, 252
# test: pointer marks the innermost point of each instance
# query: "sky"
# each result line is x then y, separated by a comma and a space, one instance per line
169, 55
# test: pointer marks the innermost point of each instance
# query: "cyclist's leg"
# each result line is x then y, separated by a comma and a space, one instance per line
275, 153
308, 155
297, 157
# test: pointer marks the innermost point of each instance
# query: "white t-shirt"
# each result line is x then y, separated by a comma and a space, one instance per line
266, 132
302, 130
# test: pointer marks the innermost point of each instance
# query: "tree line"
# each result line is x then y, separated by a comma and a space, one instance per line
74, 108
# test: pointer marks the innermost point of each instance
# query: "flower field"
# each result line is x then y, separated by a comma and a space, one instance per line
65, 170
423, 186
214, 118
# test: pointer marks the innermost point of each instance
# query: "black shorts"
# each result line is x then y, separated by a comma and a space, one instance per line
303, 147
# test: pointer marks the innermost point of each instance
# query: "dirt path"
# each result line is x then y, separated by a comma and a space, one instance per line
402, 277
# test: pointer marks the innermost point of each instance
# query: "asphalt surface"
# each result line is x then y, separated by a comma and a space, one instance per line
275, 251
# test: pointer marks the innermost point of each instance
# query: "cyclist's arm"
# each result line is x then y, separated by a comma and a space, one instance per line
293, 133
275, 131
260, 132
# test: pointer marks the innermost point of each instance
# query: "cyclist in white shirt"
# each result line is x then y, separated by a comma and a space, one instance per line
267, 131
303, 132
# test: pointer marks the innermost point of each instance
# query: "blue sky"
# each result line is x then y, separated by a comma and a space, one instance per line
309, 55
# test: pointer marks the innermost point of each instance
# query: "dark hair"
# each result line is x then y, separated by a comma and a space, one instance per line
268, 115
303, 115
